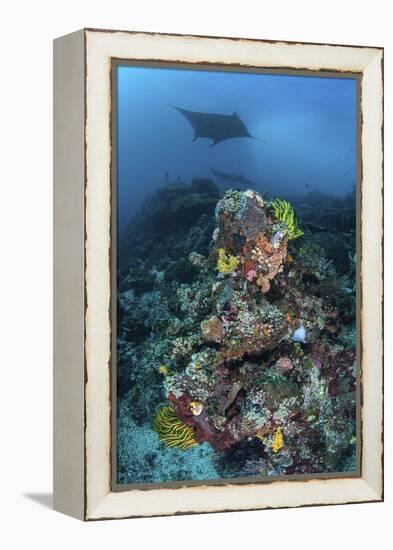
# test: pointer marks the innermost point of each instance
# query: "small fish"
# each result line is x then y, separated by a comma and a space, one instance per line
289, 259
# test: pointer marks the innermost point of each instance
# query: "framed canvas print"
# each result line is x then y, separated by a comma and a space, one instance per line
218, 274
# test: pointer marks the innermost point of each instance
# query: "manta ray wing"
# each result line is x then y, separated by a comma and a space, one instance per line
232, 178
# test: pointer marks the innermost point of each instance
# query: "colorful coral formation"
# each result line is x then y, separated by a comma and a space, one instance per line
242, 337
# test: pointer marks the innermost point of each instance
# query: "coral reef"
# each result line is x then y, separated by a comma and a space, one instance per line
143, 458
240, 334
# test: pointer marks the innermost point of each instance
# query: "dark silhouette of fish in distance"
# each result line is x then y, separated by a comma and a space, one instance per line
214, 126
232, 178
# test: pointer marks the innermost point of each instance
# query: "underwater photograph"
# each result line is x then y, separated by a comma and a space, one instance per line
236, 341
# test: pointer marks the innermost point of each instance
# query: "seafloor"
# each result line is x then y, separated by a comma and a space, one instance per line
236, 351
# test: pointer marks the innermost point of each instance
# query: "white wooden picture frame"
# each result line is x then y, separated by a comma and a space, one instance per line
83, 238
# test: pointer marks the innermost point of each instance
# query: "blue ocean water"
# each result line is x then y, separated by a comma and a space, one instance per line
308, 125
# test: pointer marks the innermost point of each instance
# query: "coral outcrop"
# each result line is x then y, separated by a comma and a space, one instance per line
240, 333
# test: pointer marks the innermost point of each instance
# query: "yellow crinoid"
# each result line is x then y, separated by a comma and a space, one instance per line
284, 213
172, 430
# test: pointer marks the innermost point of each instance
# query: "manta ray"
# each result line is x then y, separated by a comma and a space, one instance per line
214, 126
232, 178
